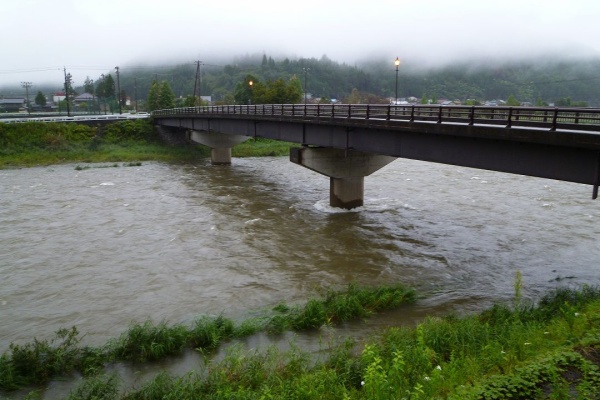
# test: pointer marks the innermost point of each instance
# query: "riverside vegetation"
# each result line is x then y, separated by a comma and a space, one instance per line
548, 350
134, 141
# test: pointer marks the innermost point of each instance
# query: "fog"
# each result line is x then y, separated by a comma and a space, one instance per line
40, 40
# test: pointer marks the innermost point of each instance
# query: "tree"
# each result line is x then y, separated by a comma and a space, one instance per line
105, 87
563, 102
68, 91
153, 95
40, 99
295, 90
88, 85
245, 93
354, 97
166, 97
512, 101
189, 101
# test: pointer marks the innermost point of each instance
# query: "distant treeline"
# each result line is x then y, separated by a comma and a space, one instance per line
560, 82
528, 81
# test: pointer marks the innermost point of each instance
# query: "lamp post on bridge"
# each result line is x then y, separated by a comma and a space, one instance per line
305, 70
250, 83
397, 64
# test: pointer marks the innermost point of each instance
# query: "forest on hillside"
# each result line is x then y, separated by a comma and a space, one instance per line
557, 81
536, 81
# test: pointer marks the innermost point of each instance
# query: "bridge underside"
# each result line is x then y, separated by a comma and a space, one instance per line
346, 171
219, 143
543, 153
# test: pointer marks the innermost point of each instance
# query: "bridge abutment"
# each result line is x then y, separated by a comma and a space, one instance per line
346, 170
219, 143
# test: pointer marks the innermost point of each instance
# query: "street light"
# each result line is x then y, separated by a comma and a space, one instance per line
397, 64
250, 83
305, 70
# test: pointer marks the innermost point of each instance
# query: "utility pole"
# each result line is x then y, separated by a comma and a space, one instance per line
67, 87
103, 92
118, 90
27, 85
135, 93
198, 77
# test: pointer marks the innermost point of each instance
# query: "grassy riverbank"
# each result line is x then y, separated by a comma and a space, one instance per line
518, 351
36, 143
39, 362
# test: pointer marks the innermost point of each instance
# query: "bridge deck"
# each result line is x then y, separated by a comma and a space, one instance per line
553, 143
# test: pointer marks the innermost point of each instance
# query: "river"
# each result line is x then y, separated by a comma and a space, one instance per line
102, 247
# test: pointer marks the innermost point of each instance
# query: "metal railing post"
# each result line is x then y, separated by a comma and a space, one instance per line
554, 119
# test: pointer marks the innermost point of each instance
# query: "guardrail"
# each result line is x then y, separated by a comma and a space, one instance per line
585, 119
76, 118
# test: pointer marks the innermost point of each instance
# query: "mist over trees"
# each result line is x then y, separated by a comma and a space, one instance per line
568, 82
539, 82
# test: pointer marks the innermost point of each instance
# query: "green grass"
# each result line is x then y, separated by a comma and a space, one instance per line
260, 147
145, 342
473, 357
40, 144
339, 306
524, 351
40, 361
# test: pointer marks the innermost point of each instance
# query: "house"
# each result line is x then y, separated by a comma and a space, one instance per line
84, 98
58, 97
13, 105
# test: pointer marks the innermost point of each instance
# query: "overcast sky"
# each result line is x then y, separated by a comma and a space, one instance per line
38, 38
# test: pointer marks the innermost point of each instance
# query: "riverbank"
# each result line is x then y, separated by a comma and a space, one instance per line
40, 144
518, 351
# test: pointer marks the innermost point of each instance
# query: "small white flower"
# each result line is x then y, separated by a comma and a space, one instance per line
427, 378
577, 314
362, 383
439, 367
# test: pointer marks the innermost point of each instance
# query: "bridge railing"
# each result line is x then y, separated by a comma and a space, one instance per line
551, 118
75, 118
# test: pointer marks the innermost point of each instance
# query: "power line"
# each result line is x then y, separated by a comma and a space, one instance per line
17, 71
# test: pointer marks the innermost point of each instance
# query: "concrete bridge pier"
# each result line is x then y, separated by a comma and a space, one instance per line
346, 170
220, 144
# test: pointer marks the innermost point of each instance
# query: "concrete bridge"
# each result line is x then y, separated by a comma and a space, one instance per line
348, 142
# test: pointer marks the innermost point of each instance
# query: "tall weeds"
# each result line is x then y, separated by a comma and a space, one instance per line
41, 361
547, 351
